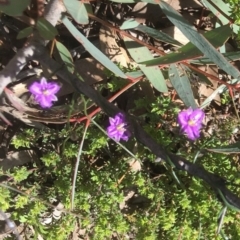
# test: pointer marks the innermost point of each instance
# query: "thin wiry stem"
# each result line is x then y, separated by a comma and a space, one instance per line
77, 165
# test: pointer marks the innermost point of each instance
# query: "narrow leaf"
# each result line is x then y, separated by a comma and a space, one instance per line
181, 83
231, 148
128, 24
217, 37
95, 52
78, 10
198, 40
135, 74
221, 218
216, 6
159, 35
140, 53
230, 56
65, 56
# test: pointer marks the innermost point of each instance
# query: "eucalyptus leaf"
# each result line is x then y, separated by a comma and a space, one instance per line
135, 74
95, 52
217, 37
198, 40
78, 10
140, 53
230, 56
128, 24
218, 6
231, 148
181, 83
159, 35
65, 56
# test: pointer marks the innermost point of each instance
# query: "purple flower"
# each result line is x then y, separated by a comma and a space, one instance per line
190, 122
44, 93
117, 129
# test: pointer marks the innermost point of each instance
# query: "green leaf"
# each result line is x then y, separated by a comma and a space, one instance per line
198, 40
217, 37
25, 32
218, 6
180, 82
140, 53
230, 56
95, 52
135, 74
88, 7
65, 56
231, 148
46, 29
128, 24
159, 35
78, 10
230, 200
14, 7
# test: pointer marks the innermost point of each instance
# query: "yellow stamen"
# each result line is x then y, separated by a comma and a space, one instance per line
191, 122
120, 127
45, 92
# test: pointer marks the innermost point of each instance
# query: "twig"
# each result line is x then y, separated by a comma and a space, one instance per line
77, 165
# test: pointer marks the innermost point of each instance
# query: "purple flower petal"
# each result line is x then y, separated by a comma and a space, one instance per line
43, 101
52, 98
197, 115
112, 121
44, 92
35, 88
43, 82
117, 129
192, 133
53, 88
190, 122
125, 137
